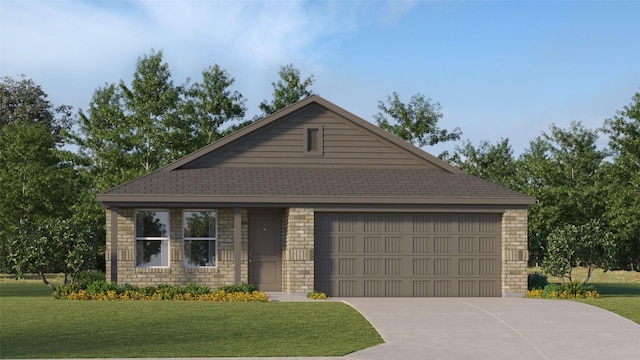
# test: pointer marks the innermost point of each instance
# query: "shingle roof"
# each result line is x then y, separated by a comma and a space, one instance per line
278, 184
317, 185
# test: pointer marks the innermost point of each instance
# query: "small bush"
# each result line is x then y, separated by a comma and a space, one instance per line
551, 291
536, 281
101, 287
195, 290
316, 295
102, 291
572, 290
63, 291
86, 278
242, 287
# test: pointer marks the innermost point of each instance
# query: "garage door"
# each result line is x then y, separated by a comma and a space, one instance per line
410, 255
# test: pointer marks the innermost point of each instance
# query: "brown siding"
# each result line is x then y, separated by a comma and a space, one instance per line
281, 144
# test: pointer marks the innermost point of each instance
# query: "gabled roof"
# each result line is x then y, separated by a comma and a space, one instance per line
313, 99
434, 183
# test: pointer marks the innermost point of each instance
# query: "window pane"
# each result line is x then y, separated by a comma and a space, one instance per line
152, 253
200, 252
312, 139
199, 224
152, 223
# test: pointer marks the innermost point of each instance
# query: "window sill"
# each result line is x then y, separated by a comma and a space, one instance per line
154, 269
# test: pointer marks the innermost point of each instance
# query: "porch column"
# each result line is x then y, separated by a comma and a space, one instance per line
114, 243
237, 244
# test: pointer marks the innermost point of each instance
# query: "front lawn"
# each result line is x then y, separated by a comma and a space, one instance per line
620, 298
620, 290
34, 325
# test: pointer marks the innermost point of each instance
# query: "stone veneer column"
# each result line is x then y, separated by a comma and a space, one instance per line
514, 253
298, 261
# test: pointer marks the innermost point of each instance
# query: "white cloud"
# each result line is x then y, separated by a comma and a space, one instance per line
73, 47
394, 10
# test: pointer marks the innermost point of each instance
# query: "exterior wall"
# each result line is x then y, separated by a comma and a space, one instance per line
343, 144
176, 273
298, 261
514, 253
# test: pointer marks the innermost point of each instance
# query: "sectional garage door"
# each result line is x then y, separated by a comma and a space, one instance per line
410, 255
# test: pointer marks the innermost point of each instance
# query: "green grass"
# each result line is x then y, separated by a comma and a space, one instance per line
620, 298
34, 325
620, 291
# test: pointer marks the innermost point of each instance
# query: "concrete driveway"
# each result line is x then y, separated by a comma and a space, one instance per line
495, 328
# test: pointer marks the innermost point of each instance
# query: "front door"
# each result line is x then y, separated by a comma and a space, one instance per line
265, 250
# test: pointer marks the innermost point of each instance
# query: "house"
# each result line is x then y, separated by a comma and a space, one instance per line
316, 198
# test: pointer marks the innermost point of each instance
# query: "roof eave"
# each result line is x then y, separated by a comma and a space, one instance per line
132, 200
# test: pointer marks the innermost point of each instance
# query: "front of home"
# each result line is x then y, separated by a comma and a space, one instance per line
316, 198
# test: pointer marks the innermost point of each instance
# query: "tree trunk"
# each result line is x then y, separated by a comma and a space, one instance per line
588, 275
44, 280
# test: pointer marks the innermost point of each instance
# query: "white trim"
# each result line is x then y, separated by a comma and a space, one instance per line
166, 239
185, 263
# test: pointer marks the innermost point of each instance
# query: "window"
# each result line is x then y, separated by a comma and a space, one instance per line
200, 229
313, 140
152, 238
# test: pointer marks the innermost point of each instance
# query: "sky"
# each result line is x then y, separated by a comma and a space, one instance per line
499, 69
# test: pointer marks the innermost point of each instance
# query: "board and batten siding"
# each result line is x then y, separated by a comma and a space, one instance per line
344, 144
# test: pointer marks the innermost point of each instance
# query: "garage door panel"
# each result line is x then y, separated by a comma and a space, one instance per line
422, 244
488, 245
421, 267
347, 245
420, 255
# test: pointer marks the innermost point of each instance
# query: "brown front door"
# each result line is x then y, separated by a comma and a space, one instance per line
265, 250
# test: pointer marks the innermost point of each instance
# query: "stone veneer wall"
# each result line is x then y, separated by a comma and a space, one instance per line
176, 273
298, 261
515, 254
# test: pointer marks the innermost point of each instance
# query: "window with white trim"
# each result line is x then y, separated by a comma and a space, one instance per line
152, 238
200, 235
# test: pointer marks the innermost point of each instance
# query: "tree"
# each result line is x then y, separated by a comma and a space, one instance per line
25, 101
415, 122
151, 109
569, 246
209, 106
132, 129
50, 246
37, 181
288, 90
494, 163
621, 180
560, 169
127, 129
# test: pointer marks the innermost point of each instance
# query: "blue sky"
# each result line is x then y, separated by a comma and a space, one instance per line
498, 68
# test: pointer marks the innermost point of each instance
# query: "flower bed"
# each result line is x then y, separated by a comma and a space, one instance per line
103, 291
572, 290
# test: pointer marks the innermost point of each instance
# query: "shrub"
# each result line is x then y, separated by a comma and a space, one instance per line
86, 278
571, 290
195, 290
147, 290
101, 287
63, 291
578, 290
242, 287
551, 291
316, 295
536, 281
101, 290
168, 292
